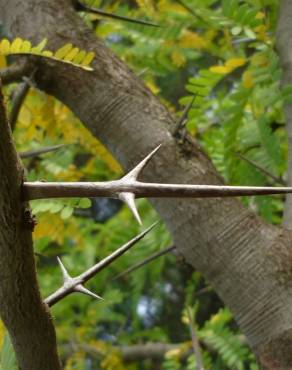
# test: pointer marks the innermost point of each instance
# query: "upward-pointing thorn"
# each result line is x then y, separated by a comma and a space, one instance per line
66, 276
129, 199
135, 172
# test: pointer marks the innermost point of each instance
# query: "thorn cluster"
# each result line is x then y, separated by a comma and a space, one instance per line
128, 188
132, 176
76, 284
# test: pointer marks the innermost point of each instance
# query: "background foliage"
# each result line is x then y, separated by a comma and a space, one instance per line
221, 52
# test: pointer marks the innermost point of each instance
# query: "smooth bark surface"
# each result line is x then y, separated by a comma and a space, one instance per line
247, 261
21, 308
284, 44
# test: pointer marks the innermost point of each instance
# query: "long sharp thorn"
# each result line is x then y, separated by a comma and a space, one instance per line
129, 199
65, 274
183, 119
75, 284
37, 152
186, 111
116, 254
115, 16
135, 172
145, 262
261, 169
81, 289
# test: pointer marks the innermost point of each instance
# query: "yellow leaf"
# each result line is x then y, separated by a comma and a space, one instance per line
88, 59
26, 47
152, 86
173, 353
79, 57
260, 15
2, 333
261, 31
4, 47
192, 40
178, 59
16, 45
259, 60
146, 5
235, 62
47, 53
166, 6
247, 80
3, 63
64, 50
185, 319
25, 116
72, 54
40, 47
222, 70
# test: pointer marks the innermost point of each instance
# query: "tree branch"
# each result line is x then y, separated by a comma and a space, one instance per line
147, 260
246, 260
128, 188
195, 340
21, 308
38, 152
72, 285
46, 190
80, 6
154, 351
16, 72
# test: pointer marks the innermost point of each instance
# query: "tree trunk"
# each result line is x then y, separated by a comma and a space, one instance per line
247, 261
21, 307
284, 43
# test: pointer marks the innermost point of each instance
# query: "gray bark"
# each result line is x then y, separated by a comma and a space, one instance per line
247, 261
284, 44
21, 308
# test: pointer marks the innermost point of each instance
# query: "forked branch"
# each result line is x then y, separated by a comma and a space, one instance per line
71, 285
128, 188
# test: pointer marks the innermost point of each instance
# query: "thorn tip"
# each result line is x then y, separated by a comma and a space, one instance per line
135, 172
129, 199
81, 289
65, 273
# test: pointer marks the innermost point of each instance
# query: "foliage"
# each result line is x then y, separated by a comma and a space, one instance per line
223, 53
67, 53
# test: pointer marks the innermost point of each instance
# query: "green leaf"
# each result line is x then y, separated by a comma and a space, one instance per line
67, 212
84, 203
8, 360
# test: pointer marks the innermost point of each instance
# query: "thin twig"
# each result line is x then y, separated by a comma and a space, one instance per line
277, 179
204, 290
190, 10
75, 284
16, 72
18, 98
103, 13
195, 340
142, 73
38, 152
183, 119
145, 262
